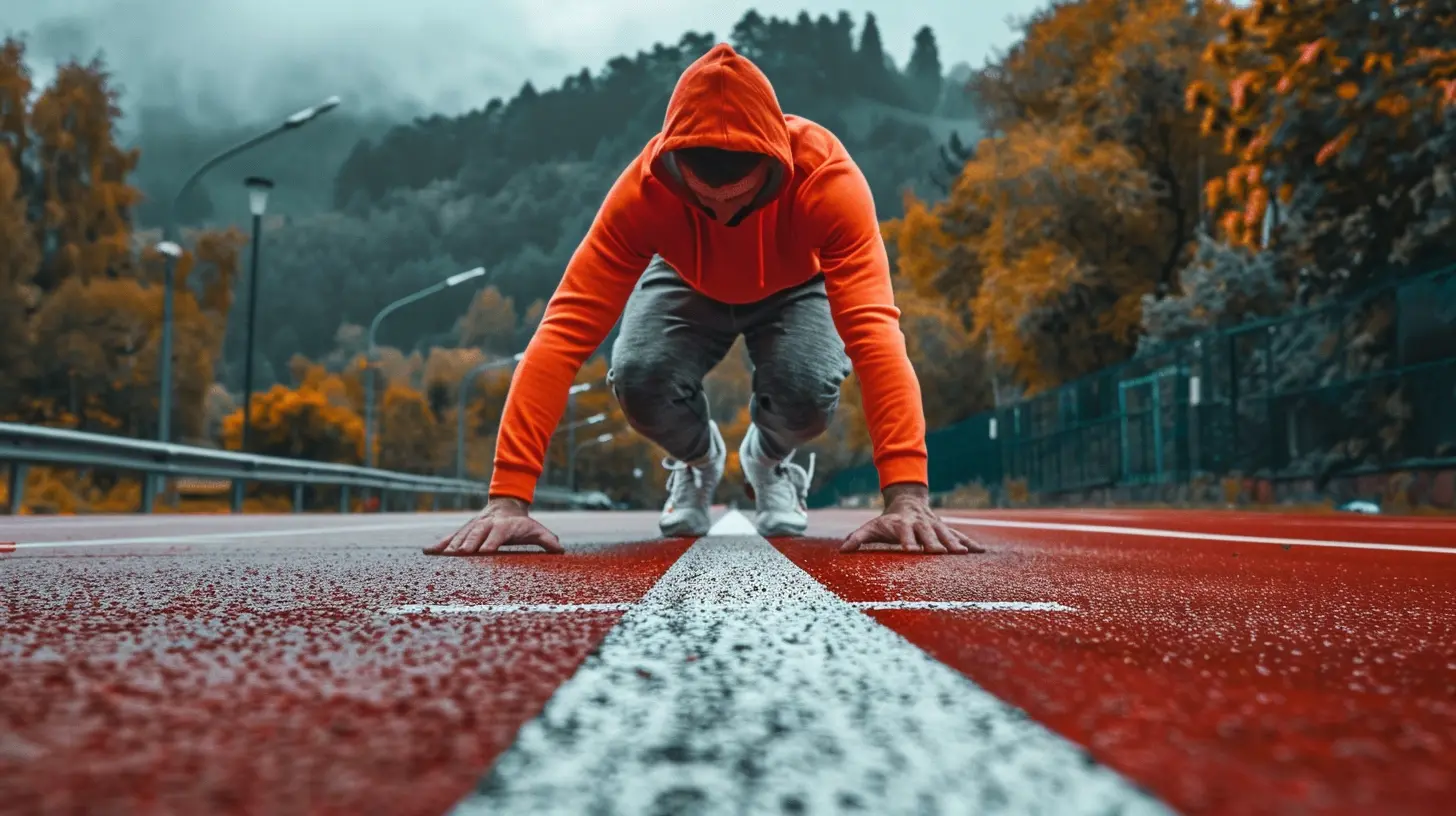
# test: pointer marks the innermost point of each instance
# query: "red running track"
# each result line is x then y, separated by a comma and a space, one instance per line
244, 664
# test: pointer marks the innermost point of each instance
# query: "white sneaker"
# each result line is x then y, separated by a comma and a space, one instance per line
690, 490
779, 489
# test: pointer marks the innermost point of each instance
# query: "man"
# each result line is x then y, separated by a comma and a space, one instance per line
746, 221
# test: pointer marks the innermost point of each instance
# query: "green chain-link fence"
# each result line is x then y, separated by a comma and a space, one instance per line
1364, 385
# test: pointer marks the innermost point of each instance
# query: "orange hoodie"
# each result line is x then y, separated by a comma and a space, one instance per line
815, 214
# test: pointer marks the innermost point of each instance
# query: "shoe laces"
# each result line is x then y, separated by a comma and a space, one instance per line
796, 476
684, 481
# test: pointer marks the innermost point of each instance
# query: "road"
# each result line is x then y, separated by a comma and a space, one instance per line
1090, 662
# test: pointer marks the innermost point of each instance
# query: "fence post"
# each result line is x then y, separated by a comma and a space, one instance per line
18, 471
237, 496
1269, 400
343, 499
1235, 448
298, 497
149, 492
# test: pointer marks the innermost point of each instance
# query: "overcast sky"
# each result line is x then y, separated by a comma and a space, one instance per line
232, 58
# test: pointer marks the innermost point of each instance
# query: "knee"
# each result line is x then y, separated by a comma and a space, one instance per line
802, 406
646, 389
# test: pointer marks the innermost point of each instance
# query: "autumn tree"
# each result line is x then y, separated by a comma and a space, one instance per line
78, 287
490, 322
409, 434
313, 421
1084, 197
19, 260
1339, 113
81, 176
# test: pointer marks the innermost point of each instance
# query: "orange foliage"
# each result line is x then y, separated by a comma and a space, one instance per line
313, 421
80, 324
490, 322
1084, 200
1345, 84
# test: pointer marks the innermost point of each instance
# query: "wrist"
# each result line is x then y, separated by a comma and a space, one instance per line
507, 504
903, 493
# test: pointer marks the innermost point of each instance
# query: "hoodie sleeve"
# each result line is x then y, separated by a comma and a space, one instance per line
592, 294
857, 276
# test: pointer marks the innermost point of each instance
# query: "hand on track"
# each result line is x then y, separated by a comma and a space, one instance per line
909, 522
503, 522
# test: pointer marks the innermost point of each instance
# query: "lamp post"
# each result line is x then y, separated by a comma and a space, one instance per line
599, 439
172, 251
571, 429
258, 189
453, 280
463, 392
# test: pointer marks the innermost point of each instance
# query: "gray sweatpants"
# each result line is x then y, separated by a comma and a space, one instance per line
672, 336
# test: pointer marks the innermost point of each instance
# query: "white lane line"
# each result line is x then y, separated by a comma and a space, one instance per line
493, 609
242, 535
733, 523
742, 685
551, 609
1193, 536
951, 606
142, 520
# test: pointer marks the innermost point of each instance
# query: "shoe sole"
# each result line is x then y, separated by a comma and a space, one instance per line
782, 530
683, 531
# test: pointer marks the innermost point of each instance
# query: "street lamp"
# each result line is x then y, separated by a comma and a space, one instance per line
571, 429
591, 420
463, 391
258, 189
599, 439
172, 251
453, 280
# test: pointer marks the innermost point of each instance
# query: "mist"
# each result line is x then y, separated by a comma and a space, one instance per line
224, 64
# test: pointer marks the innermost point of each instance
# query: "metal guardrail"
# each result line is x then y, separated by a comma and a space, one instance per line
24, 445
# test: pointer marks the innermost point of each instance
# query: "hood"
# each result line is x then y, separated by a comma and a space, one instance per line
723, 100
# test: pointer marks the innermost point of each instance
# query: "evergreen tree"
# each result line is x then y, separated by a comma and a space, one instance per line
871, 50
877, 78
923, 74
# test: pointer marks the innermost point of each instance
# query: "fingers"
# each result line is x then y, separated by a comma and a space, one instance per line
907, 537
499, 534
856, 539
479, 530
446, 545
487, 535
969, 543
439, 546
928, 539
914, 535
548, 541
950, 538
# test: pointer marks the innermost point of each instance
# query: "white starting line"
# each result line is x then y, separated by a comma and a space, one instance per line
557, 609
740, 684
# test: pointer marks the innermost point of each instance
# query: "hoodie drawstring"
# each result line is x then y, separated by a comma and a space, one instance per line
759, 233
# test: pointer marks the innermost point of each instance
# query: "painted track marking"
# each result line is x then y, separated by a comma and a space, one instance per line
243, 535
1193, 536
496, 609
952, 606
553, 609
741, 684
733, 523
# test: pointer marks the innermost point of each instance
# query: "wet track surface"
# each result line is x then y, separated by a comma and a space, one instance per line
1202, 663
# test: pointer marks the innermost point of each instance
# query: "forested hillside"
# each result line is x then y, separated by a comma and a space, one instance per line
513, 185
